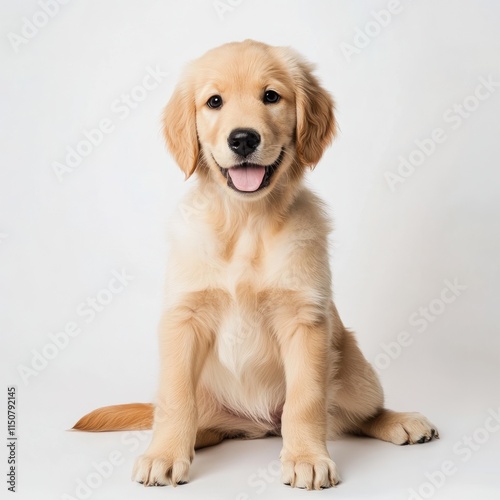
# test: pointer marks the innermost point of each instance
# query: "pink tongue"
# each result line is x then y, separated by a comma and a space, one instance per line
247, 178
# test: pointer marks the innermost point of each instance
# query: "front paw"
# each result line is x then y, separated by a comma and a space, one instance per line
161, 470
309, 471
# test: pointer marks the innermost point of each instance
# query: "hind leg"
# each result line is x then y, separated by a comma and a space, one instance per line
216, 423
207, 437
399, 428
357, 403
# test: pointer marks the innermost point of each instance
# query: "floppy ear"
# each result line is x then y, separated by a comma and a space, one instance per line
316, 125
179, 126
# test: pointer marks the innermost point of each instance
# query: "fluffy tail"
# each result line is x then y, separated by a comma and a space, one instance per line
130, 417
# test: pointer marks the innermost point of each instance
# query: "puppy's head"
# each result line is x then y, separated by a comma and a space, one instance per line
248, 116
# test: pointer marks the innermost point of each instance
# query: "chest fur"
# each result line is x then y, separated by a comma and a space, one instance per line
243, 337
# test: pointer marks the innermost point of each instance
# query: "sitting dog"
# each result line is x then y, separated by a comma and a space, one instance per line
251, 343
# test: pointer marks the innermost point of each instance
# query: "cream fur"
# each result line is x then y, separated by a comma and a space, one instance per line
251, 343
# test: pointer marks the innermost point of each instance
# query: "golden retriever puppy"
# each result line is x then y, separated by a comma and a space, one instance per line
251, 343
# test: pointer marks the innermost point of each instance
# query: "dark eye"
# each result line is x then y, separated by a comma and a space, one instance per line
215, 102
270, 97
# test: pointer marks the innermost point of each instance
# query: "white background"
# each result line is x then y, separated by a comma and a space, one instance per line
391, 251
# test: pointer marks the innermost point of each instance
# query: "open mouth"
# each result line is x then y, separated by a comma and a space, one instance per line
250, 177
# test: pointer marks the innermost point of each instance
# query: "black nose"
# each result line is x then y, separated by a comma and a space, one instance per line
243, 141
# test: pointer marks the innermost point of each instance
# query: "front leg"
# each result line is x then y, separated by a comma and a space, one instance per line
304, 342
186, 335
